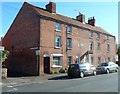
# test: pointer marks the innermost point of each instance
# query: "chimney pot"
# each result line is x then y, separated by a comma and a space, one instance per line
91, 21
51, 7
81, 18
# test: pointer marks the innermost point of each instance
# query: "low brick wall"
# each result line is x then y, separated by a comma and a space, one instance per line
4, 73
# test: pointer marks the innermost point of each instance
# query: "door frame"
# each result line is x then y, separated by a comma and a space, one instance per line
47, 64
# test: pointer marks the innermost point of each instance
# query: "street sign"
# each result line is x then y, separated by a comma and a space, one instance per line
37, 52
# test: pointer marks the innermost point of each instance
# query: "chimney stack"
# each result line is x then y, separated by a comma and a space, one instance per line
91, 21
51, 7
81, 18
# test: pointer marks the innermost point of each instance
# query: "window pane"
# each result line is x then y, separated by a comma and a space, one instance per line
69, 60
58, 41
91, 35
57, 61
69, 29
91, 45
69, 43
98, 36
57, 26
98, 46
108, 48
107, 37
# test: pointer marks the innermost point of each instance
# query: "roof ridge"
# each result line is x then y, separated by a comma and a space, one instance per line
44, 12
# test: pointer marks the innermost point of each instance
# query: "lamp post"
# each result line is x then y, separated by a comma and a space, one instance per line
38, 63
37, 51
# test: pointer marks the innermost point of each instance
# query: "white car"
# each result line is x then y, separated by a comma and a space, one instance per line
107, 67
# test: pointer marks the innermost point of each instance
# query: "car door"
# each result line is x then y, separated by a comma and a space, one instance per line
112, 67
92, 68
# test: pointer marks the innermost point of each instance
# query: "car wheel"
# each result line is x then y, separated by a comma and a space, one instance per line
116, 70
81, 74
94, 73
107, 71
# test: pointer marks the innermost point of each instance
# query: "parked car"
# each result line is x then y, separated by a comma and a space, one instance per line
81, 70
107, 67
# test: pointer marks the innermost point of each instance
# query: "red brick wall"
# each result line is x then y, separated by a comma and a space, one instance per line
23, 35
80, 43
28, 29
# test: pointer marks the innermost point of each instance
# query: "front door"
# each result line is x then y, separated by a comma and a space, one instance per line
46, 64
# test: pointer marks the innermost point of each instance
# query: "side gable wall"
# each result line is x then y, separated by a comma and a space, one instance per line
20, 38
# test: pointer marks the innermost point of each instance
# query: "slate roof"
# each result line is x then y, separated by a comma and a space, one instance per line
44, 12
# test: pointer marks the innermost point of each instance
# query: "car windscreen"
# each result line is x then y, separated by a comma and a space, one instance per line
73, 66
104, 64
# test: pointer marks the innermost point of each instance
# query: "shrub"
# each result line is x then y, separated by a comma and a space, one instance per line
51, 72
61, 70
55, 72
66, 70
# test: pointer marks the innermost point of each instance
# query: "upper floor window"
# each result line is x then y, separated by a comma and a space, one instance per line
69, 43
107, 37
98, 48
99, 60
108, 48
58, 27
91, 34
69, 29
91, 45
57, 41
98, 36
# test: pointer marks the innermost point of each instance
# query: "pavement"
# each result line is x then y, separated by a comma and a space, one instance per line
31, 79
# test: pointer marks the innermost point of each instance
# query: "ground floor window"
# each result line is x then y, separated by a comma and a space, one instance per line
69, 60
57, 61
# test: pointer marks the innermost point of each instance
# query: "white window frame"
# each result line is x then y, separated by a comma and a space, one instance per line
69, 43
69, 29
58, 27
91, 35
56, 61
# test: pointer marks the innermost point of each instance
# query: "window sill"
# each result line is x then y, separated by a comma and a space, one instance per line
57, 30
91, 37
57, 47
69, 32
69, 48
56, 66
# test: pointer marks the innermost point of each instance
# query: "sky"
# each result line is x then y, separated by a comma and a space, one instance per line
105, 13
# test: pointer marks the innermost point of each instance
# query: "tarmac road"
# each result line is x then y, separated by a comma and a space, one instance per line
99, 83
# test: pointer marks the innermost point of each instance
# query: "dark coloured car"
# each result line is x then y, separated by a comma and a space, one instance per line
107, 67
80, 70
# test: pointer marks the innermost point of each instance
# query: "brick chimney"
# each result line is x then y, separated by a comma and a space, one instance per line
51, 7
81, 18
91, 21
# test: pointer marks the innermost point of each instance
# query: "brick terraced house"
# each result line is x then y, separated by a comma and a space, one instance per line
41, 40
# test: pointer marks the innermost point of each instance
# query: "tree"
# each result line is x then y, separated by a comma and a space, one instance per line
5, 54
